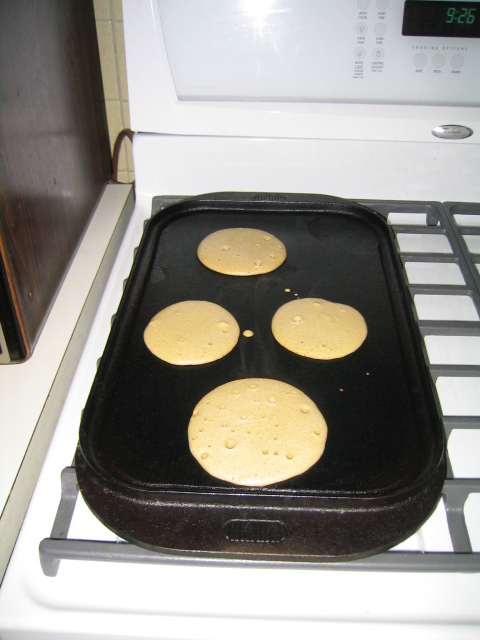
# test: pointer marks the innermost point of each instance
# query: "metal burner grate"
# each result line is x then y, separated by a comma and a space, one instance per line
439, 246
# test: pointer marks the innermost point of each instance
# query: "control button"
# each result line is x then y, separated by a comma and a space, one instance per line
438, 61
420, 60
457, 62
363, 4
378, 53
361, 28
380, 28
359, 53
382, 5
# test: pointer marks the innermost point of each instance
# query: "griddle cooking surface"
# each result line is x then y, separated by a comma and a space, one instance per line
384, 436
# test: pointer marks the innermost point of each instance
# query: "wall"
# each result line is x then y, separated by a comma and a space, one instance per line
109, 21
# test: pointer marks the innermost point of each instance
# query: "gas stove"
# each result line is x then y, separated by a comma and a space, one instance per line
444, 302
372, 145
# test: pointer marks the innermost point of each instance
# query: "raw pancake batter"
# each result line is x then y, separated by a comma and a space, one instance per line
256, 431
192, 332
320, 329
241, 252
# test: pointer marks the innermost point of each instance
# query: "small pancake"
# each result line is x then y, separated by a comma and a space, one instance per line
319, 329
192, 332
241, 252
256, 431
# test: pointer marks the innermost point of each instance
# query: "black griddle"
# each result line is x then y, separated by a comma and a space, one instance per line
383, 468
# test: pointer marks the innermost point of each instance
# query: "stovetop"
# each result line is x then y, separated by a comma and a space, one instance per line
439, 245
426, 587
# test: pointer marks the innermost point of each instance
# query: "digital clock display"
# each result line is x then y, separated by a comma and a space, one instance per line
441, 19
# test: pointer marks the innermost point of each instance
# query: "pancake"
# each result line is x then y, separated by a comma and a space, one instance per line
241, 252
319, 329
192, 332
256, 432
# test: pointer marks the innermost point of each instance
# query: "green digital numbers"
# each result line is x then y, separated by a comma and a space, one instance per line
460, 16
451, 11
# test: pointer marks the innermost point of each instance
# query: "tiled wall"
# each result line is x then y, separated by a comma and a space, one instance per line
109, 20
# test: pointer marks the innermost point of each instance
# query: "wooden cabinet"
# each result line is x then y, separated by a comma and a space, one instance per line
54, 155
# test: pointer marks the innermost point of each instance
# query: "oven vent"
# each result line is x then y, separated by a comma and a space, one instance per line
271, 531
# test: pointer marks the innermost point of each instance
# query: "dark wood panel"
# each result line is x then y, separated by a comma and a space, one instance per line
54, 147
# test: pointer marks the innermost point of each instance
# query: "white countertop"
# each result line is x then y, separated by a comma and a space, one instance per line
32, 393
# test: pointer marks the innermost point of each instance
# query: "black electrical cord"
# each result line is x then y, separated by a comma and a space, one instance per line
125, 133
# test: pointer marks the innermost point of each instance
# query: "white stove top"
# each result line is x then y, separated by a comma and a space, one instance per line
369, 152
27, 426
179, 598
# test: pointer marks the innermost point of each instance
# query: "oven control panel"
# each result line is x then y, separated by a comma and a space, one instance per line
435, 38
375, 51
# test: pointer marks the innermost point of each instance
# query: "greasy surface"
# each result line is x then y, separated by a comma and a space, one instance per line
192, 332
318, 328
381, 472
241, 252
256, 431
383, 430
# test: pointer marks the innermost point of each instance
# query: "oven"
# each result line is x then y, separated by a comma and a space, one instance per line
367, 103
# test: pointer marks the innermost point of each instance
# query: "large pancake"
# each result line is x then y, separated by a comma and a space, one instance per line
256, 431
